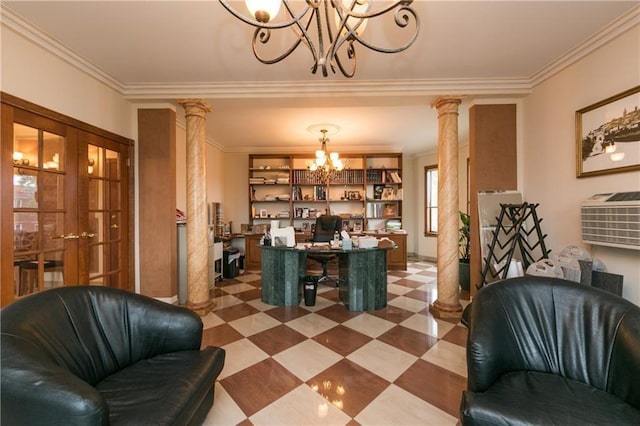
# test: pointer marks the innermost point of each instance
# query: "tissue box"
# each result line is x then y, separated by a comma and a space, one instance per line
367, 242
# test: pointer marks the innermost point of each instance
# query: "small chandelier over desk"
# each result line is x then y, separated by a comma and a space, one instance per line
326, 166
329, 28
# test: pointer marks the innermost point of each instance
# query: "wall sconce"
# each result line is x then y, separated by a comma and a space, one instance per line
18, 158
54, 163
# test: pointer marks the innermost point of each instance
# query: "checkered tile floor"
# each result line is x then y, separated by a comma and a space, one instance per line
324, 365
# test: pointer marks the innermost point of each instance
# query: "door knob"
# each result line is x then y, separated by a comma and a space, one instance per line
87, 235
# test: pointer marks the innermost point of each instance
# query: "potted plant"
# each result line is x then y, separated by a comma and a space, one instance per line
464, 250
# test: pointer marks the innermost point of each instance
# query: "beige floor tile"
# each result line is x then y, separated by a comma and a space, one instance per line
382, 359
225, 411
369, 325
253, 324
312, 324
448, 355
302, 406
240, 355
307, 359
395, 406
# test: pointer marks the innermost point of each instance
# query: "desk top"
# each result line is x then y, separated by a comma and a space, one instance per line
324, 249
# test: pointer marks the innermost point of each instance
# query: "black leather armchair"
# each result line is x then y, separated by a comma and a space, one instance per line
97, 356
547, 351
326, 226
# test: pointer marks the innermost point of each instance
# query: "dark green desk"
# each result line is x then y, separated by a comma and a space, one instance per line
362, 283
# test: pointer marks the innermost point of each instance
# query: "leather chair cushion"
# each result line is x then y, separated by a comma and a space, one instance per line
528, 397
133, 393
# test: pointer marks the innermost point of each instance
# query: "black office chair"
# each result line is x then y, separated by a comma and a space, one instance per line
326, 226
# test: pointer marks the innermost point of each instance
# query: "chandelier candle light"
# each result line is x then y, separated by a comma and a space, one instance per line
326, 166
329, 28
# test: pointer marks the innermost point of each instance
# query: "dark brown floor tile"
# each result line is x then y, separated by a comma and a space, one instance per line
425, 296
342, 340
352, 422
332, 295
437, 386
338, 313
392, 313
249, 295
409, 283
287, 313
245, 422
391, 296
236, 312
216, 292
227, 282
457, 335
261, 384
408, 340
277, 339
348, 386
401, 274
428, 273
220, 335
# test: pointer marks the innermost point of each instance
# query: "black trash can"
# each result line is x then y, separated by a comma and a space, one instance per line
310, 287
229, 269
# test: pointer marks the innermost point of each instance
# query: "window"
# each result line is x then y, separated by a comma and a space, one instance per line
431, 200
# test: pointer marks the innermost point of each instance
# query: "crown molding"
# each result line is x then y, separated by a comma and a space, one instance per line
422, 87
619, 26
32, 33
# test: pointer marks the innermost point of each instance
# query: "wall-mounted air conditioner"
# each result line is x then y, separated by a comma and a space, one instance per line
612, 220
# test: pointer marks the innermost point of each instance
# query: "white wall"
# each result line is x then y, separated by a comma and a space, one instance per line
426, 247
549, 149
32, 73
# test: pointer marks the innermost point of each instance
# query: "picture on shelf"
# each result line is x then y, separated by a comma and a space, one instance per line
345, 225
389, 210
354, 195
377, 192
357, 226
388, 193
263, 213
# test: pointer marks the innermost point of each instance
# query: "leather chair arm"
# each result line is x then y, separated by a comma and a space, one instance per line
42, 391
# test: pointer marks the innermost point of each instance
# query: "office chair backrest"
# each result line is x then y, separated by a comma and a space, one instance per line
326, 226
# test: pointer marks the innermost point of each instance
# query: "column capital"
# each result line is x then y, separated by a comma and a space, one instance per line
196, 107
447, 104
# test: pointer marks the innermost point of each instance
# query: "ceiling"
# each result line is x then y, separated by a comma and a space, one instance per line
160, 51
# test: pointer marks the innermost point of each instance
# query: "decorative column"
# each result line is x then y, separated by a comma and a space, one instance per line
198, 298
447, 305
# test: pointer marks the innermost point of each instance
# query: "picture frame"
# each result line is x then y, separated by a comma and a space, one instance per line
608, 135
390, 210
263, 213
357, 226
377, 192
353, 195
306, 227
388, 193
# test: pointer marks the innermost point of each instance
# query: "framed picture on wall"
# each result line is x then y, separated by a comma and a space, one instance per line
608, 135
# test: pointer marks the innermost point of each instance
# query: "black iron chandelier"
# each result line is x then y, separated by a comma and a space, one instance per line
329, 28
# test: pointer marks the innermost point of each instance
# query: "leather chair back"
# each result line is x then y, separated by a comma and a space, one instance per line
326, 226
555, 326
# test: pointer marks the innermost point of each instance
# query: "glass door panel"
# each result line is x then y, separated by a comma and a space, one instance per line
39, 210
104, 212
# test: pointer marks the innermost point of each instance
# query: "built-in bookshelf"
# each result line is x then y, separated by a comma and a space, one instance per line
367, 193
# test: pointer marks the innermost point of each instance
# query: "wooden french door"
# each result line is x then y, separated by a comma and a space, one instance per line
103, 211
65, 210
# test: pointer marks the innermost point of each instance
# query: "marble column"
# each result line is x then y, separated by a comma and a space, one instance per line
198, 298
447, 305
